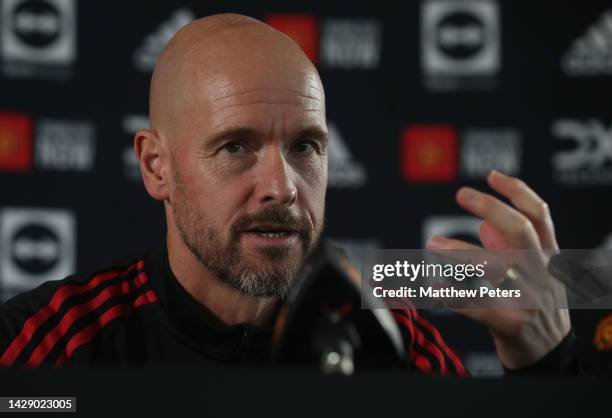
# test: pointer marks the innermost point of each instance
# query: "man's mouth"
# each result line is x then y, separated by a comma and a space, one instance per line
273, 234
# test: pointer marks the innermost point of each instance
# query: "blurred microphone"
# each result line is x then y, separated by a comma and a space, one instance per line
324, 324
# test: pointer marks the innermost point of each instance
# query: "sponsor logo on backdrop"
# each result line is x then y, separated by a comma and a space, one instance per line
338, 43
437, 153
603, 334
36, 245
38, 37
460, 43
131, 124
591, 53
51, 144
15, 142
466, 228
585, 157
344, 170
350, 43
483, 150
303, 28
64, 145
146, 55
429, 153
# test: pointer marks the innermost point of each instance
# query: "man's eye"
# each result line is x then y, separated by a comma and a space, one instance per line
305, 146
233, 147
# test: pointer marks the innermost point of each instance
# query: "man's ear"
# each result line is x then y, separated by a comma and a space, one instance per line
153, 159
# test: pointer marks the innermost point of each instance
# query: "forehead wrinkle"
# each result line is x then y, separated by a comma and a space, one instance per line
270, 96
313, 81
299, 93
220, 85
296, 103
227, 118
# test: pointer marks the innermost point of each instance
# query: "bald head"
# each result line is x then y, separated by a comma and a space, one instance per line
223, 55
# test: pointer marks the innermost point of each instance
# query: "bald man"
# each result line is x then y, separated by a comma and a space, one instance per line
237, 153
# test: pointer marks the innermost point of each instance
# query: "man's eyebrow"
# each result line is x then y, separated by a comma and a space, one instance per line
232, 133
314, 132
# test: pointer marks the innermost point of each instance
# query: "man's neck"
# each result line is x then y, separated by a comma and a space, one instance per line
229, 305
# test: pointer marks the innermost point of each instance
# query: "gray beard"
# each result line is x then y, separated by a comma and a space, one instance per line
229, 264
233, 268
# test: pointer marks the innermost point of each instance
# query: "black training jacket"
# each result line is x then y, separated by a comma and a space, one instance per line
135, 312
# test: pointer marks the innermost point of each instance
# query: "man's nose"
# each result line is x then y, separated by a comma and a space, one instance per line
275, 179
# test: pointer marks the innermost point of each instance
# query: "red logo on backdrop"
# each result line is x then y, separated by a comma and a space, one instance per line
429, 153
15, 142
302, 28
603, 334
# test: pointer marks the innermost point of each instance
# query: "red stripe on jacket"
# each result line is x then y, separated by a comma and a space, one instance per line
76, 312
85, 335
32, 324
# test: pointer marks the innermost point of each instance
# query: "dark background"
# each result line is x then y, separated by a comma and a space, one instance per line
74, 76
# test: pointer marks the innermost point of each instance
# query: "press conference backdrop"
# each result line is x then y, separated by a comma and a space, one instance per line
422, 97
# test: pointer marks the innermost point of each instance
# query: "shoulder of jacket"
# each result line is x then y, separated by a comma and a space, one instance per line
74, 283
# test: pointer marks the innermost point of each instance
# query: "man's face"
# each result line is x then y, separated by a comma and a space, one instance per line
250, 174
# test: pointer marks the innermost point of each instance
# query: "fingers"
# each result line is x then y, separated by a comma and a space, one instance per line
491, 238
442, 243
527, 202
512, 224
446, 249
